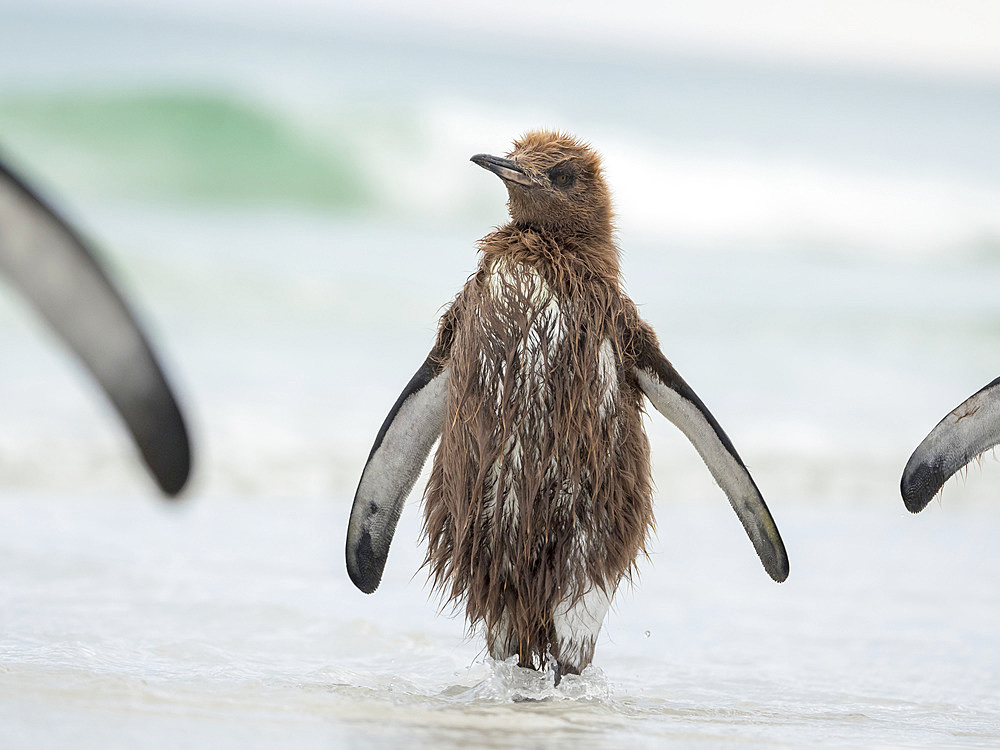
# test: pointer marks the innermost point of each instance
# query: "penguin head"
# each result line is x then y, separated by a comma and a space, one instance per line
555, 182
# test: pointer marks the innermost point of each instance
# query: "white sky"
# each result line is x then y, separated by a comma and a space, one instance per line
947, 37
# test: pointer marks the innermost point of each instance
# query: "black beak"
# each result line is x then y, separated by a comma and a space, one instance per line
505, 169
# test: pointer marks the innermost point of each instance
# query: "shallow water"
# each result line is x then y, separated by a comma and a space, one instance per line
230, 622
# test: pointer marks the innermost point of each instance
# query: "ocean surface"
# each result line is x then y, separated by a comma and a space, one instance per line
290, 209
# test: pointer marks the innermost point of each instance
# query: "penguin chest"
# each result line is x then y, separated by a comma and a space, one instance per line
522, 334
546, 383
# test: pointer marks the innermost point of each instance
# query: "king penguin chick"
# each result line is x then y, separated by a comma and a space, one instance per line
540, 500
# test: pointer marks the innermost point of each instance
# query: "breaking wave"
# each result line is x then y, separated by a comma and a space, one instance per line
408, 162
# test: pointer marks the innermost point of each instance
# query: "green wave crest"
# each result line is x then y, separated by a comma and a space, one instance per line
188, 146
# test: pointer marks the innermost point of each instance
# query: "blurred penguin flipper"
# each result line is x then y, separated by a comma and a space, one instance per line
966, 432
55, 269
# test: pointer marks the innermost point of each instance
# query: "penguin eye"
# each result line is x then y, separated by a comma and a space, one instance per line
562, 177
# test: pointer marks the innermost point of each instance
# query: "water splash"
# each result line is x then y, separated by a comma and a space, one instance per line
506, 682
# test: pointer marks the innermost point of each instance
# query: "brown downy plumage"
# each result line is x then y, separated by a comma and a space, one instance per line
540, 488
540, 499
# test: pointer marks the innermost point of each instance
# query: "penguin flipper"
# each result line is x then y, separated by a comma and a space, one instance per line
675, 400
401, 448
966, 432
55, 269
